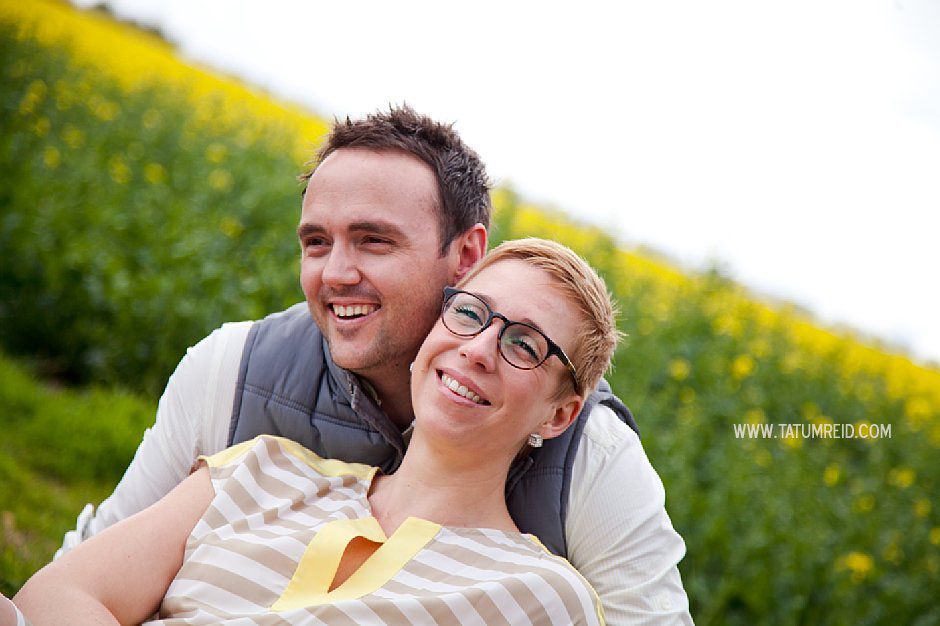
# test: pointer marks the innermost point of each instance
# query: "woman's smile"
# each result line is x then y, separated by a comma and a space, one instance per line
456, 384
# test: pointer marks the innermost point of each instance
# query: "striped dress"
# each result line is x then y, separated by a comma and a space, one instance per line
267, 548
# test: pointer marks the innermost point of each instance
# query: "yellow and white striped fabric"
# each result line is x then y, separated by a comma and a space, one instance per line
268, 547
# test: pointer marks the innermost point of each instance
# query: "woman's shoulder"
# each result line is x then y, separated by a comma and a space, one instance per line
518, 562
270, 450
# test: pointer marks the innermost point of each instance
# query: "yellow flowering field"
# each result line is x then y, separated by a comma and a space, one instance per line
145, 201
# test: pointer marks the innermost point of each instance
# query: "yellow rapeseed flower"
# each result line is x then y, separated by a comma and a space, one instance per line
742, 366
155, 174
859, 565
151, 119
922, 507
51, 157
105, 110
220, 179
216, 153
727, 324
917, 411
864, 504
42, 126
935, 536
763, 458
73, 137
901, 477
119, 171
231, 227
136, 60
755, 416
832, 474
679, 369
892, 553
759, 347
794, 442
33, 97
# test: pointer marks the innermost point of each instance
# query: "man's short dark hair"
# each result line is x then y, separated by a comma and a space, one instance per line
461, 178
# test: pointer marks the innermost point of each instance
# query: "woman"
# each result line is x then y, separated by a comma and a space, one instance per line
267, 532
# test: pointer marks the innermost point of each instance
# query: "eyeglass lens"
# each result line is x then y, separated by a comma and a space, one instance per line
524, 347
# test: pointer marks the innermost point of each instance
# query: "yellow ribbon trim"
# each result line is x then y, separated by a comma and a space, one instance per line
310, 583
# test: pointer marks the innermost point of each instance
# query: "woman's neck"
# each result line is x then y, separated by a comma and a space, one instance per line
443, 488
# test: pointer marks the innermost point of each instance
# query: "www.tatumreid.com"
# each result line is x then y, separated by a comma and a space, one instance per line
812, 431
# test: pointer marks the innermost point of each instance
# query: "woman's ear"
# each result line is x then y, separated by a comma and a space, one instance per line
566, 411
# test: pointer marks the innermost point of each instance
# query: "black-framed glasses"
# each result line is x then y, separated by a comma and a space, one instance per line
521, 345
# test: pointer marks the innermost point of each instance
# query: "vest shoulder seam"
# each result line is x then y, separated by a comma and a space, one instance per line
279, 399
553, 470
332, 420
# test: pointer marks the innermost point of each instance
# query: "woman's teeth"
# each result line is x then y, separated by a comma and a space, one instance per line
353, 310
460, 390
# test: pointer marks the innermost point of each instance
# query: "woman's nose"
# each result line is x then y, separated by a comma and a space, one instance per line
481, 349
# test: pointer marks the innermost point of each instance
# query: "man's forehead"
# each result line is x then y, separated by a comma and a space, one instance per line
379, 159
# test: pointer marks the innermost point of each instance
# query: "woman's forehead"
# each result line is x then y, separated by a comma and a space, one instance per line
514, 286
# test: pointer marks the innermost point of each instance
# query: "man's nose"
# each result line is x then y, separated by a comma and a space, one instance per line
482, 349
340, 268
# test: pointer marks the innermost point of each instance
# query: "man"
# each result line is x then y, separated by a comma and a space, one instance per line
396, 207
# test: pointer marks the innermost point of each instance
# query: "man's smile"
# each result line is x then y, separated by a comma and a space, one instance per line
352, 311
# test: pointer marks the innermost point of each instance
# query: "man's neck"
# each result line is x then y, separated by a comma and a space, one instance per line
392, 389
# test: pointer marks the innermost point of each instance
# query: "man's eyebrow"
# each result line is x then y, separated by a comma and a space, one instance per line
305, 230
525, 320
379, 228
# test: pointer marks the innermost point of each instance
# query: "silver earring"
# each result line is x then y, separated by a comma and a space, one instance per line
535, 440
411, 367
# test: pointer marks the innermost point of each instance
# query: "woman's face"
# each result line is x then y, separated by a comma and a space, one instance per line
501, 404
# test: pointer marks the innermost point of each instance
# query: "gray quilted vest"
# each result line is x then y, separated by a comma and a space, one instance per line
289, 386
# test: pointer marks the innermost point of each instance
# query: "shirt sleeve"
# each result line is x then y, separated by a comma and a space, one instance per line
619, 535
192, 419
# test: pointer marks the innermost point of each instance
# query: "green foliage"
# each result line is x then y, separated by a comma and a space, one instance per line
129, 228
60, 449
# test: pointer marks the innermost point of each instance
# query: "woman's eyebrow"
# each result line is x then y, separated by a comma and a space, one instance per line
525, 320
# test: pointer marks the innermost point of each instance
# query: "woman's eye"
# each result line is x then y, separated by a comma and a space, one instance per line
469, 313
523, 345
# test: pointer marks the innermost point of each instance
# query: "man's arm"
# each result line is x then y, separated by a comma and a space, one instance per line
121, 575
619, 535
192, 419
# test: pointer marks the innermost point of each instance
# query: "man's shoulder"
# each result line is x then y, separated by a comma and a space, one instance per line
605, 429
235, 333
610, 454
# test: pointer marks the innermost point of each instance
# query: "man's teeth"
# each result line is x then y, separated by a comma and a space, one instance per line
459, 389
353, 309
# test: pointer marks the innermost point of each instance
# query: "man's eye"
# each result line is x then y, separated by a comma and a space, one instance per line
315, 246
376, 242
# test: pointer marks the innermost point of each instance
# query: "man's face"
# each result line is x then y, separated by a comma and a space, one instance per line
371, 269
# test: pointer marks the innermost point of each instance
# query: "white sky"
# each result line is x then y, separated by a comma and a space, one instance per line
795, 142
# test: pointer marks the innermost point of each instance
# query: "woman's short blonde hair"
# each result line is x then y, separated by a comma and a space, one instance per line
597, 335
